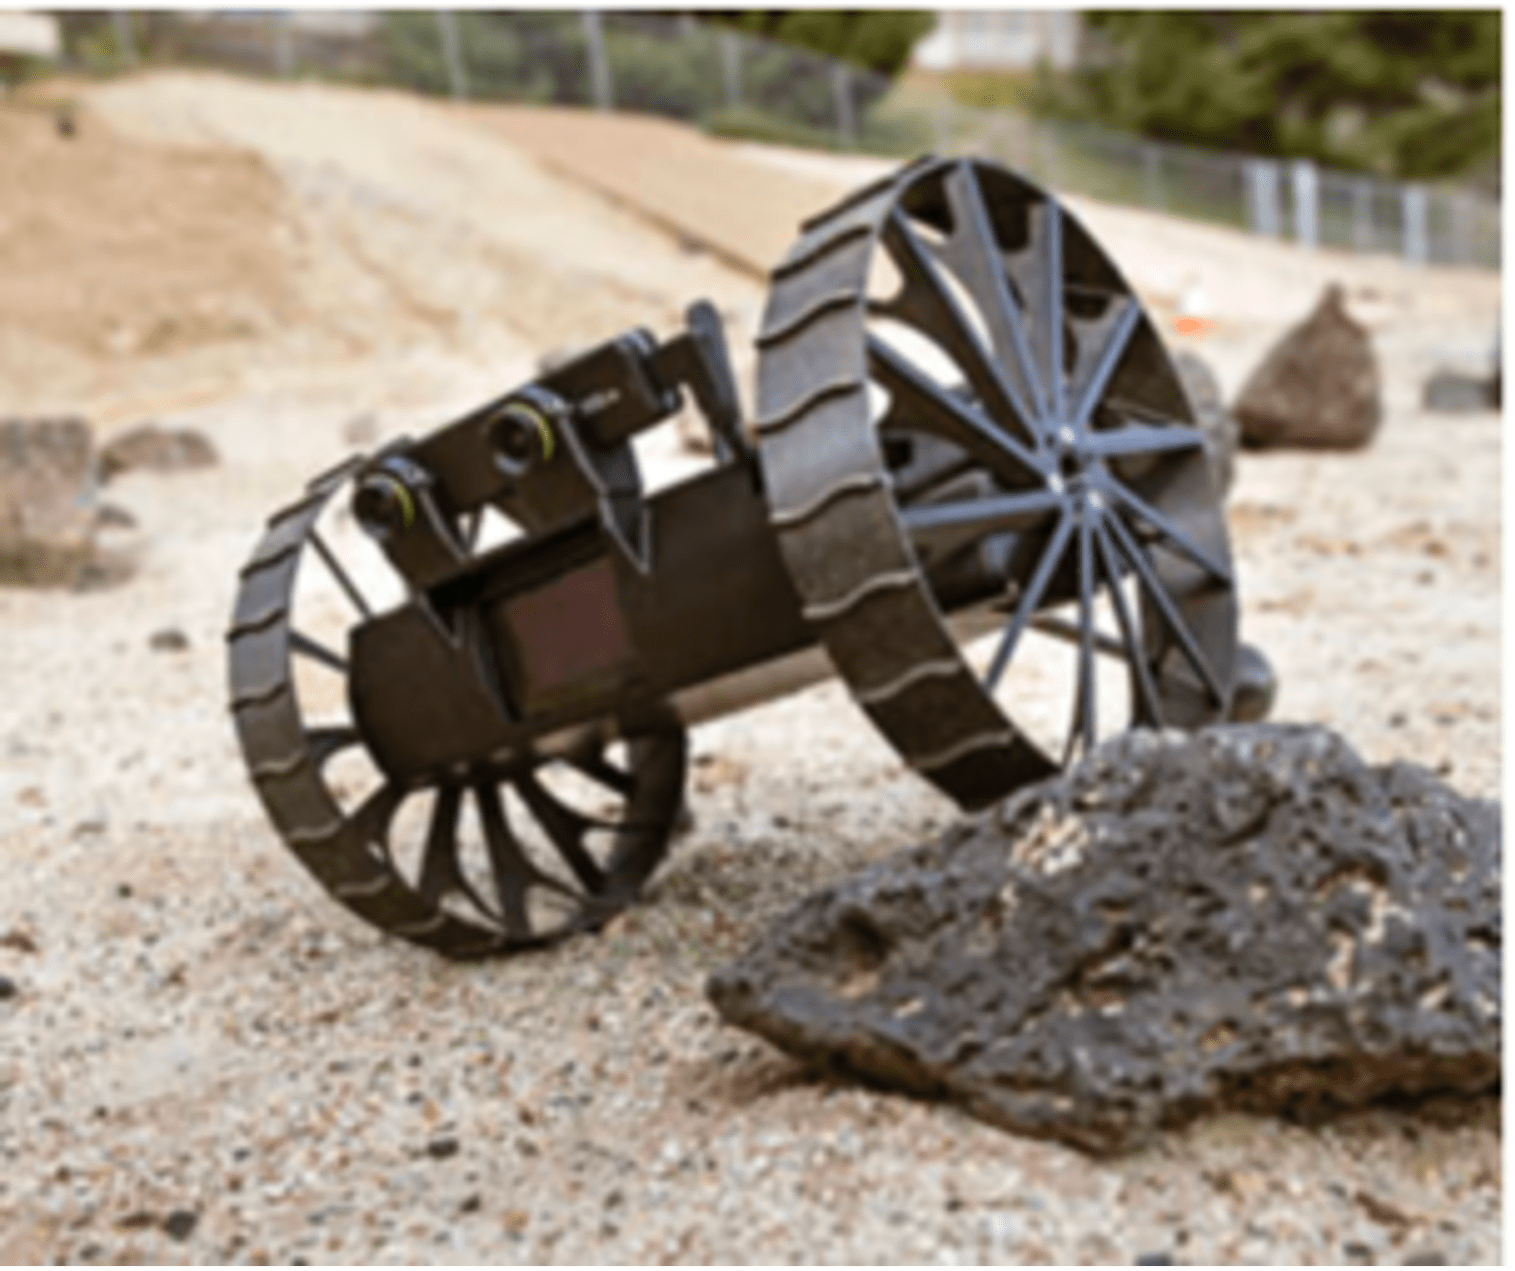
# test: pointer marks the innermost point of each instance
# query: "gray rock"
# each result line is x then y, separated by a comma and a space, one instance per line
168, 640
47, 500
111, 516
181, 1224
153, 449
1319, 385
1245, 918
1456, 392
1222, 432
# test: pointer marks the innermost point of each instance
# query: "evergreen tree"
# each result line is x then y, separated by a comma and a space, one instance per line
1403, 93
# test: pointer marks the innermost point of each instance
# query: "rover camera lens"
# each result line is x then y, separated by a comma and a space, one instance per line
382, 506
520, 437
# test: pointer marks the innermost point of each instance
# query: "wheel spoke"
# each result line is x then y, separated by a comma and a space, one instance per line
1085, 720
1088, 390
1046, 299
513, 872
1062, 629
440, 869
1169, 611
302, 644
566, 828
1169, 530
935, 482
596, 767
472, 523
974, 253
995, 514
1143, 439
343, 580
1149, 703
929, 303
927, 407
372, 819
323, 743
1029, 600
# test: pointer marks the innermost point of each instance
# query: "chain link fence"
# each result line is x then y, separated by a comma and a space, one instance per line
738, 85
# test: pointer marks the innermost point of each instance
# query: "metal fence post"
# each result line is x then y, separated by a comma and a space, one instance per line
284, 61
1263, 190
599, 64
452, 53
1362, 216
122, 21
1414, 200
1462, 230
1306, 204
841, 89
731, 64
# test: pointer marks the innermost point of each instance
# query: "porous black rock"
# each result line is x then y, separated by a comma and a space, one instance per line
1249, 917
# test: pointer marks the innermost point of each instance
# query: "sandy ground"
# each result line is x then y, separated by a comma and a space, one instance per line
197, 1031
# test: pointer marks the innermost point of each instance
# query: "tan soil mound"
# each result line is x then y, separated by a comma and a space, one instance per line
114, 246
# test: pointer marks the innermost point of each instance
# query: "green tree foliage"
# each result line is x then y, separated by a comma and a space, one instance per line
879, 39
1403, 93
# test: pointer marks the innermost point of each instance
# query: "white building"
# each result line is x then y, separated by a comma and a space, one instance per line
999, 40
29, 35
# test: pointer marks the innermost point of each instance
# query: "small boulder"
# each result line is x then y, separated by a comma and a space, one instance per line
168, 640
1247, 918
1453, 392
111, 516
1474, 384
1319, 386
47, 501
154, 449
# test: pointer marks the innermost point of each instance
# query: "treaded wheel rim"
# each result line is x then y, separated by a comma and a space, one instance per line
842, 532
349, 854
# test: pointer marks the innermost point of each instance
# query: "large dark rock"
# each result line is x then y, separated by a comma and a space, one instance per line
1247, 918
1318, 386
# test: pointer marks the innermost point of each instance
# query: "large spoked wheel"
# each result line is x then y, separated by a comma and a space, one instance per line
497, 857
987, 481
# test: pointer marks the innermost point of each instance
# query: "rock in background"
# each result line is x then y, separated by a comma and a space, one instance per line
1246, 918
150, 448
1457, 392
47, 501
1318, 386
1460, 388
1222, 433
